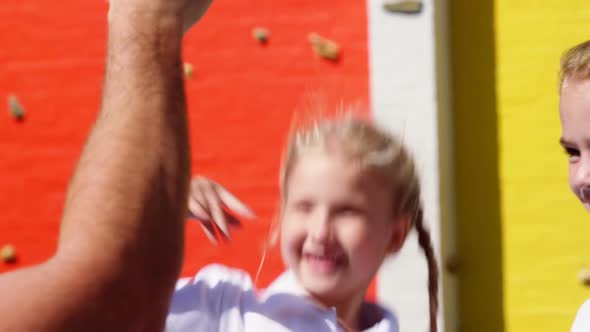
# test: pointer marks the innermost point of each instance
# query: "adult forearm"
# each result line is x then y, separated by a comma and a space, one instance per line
120, 247
121, 240
124, 213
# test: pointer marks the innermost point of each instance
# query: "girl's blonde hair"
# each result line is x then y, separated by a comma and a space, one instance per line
381, 154
575, 62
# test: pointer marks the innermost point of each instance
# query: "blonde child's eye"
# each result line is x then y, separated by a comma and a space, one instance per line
303, 206
572, 152
348, 211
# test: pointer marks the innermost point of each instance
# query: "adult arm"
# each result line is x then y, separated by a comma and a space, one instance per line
121, 240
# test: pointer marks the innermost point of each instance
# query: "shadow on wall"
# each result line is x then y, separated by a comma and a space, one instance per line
477, 195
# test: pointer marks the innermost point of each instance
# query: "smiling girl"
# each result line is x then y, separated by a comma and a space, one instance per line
349, 196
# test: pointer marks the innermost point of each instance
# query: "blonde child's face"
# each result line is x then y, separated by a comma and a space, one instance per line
574, 110
337, 226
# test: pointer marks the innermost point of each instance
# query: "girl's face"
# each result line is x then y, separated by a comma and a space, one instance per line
337, 225
574, 110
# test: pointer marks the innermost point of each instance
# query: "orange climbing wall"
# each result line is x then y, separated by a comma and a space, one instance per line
241, 102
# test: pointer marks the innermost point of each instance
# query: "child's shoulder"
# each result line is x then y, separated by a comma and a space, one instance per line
215, 274
582, 322
212, 299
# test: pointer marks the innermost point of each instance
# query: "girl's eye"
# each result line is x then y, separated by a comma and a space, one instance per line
303, 206
572, 152
348, 211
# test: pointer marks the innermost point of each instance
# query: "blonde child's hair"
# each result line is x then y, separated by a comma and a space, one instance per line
380, 154
575, 62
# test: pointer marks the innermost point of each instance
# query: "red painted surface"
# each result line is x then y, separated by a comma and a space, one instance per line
241, 102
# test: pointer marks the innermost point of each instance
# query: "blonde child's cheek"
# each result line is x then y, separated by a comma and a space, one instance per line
355, 240
572, 176
291, 242
358, 234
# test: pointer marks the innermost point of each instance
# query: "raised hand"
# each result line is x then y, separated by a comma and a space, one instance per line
214, 207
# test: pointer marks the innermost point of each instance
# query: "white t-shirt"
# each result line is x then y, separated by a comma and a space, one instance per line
582, 322
223, 299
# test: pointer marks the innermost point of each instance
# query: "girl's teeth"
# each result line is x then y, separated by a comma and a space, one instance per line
322, 263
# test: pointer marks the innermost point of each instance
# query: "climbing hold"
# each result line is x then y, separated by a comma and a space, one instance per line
16, 108
452, 264
188, 70
584, 277
324, 47
260, 34
404, 7
8, 253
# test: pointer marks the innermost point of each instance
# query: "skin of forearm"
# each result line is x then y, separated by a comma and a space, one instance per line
127, 202
129, 190
121, 240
